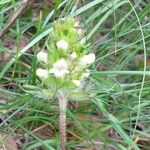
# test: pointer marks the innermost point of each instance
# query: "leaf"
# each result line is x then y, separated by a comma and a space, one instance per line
57, 3
33, 42
117, 126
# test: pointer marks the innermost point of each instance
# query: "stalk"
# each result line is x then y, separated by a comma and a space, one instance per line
62, 119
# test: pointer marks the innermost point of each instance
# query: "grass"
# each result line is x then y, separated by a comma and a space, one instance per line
115, 102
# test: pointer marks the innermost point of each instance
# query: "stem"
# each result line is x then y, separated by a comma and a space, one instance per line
62, 119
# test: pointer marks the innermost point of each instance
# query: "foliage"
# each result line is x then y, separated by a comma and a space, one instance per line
112, 110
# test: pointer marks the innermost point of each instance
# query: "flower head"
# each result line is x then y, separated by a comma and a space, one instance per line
62, 44
77, 82
87, 59
42, 73
42, 56
60, 68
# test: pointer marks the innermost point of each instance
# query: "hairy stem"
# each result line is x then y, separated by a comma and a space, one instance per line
62, 119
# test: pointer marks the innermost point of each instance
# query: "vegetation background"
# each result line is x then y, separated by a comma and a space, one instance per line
118, 116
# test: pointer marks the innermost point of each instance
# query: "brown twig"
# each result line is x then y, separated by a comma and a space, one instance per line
19, 10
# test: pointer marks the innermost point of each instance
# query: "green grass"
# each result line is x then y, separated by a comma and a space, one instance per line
116, 95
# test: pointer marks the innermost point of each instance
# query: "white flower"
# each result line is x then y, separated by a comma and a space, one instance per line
42, 56
62, 44
42, 73
77, 82
87, 59
85, 74
60, 68
73, 55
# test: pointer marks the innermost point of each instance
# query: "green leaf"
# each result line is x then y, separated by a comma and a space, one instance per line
57, 3
33, 42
